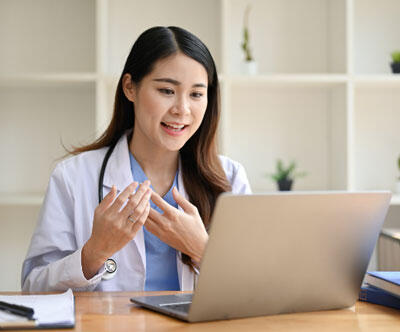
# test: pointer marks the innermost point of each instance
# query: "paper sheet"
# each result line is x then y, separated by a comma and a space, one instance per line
50, 310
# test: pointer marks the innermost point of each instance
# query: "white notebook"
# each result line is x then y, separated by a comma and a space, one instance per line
51, 311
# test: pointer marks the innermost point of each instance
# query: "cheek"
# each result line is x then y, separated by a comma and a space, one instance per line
153, 106
199, 112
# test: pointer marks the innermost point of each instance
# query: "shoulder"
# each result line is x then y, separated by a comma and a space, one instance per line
230, 166
236, 175
81, 165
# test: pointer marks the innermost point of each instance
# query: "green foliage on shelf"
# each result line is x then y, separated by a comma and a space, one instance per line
288, 172
396, 56
246, 36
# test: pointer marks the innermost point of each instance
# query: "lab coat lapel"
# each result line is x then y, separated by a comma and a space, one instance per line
185, 274
118, 172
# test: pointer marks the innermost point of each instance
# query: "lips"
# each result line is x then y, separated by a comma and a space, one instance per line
174, 129
174, 126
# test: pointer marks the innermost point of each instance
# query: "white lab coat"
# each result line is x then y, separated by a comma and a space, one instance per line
53, 262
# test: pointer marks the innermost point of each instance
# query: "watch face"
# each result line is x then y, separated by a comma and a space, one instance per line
110, 266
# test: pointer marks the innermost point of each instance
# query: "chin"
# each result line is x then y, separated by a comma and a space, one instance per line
174, 147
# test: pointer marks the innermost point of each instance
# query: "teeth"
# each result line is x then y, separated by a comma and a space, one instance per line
175, 126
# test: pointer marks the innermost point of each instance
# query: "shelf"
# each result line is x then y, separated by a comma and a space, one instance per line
288, 36
126, 20
45, 79
395, 199
384, 80
47, 36
38, 122
283, 79
376, 137
313, 134
21, 199
375, 36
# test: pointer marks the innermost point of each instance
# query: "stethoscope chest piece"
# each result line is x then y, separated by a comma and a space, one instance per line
110, 268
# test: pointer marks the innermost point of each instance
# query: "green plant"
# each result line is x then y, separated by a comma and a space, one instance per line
288, 173
246, 35
396, 56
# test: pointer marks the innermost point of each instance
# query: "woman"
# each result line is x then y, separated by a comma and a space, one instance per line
163, 173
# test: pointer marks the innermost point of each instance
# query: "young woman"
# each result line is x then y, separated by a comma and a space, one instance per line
158, 167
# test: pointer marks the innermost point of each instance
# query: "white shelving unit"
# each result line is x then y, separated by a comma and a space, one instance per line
324, 95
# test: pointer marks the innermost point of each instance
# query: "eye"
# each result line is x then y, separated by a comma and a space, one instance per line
166, 91
196, 94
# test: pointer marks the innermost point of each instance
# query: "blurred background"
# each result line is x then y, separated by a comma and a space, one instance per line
317, 89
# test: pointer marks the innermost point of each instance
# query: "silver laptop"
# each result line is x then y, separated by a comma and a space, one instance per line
280, 253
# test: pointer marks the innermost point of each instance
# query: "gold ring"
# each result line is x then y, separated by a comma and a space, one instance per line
131, 219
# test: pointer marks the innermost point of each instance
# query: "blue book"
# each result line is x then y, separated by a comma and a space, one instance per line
388, 281
378, 296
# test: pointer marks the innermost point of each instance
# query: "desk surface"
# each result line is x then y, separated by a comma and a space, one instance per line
112, 311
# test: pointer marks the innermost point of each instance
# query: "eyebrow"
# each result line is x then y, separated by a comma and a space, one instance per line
175, 82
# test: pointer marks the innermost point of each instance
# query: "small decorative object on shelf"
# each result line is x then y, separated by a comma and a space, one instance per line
398, 179
284, 176
396, 62
249, 65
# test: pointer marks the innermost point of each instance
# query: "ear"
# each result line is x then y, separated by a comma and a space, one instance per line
129, 87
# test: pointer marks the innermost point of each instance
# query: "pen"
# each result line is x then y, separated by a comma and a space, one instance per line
15, 309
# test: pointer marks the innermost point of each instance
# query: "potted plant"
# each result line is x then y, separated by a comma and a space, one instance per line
396, 62
284, 176
249, 66
398, 179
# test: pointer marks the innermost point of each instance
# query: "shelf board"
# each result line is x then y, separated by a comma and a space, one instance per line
384, 80
395, 199
295, 79
21, 199
46, 79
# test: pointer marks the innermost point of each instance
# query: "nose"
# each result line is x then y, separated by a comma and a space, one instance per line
181, 107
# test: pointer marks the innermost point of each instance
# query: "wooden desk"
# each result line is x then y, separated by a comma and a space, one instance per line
113, 311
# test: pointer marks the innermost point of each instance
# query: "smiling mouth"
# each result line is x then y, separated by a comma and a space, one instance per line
174, 127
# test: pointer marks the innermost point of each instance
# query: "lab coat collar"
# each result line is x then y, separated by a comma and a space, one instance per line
117, 173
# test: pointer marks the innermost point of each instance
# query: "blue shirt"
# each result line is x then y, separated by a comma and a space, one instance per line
161, 269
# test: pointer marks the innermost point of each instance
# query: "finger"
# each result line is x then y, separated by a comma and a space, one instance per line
183, 202
122, 197
137, 203
156, 216
139, 222
152, 227
163, 205
108, 199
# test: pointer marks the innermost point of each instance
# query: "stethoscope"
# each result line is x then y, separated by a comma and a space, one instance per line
110, 266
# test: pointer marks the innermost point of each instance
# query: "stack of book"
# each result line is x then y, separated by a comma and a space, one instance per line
382, 287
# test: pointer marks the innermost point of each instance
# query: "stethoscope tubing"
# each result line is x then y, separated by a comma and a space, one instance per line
103, 169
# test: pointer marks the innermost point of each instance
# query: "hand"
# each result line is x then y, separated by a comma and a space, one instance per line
112, 229
182, 230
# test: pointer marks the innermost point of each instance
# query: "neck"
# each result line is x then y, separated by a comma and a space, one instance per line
158, 164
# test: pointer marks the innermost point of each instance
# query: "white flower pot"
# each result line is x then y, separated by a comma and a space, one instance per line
249, 68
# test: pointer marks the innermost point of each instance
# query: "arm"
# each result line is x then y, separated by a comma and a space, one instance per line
53, 262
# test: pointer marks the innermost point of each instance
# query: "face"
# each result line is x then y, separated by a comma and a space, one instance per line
170, 102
